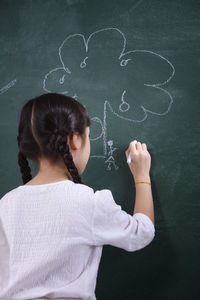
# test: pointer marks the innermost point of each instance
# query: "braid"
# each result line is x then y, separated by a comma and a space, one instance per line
24, 167
58, 142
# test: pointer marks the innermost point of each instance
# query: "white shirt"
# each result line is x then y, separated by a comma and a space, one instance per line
52, 236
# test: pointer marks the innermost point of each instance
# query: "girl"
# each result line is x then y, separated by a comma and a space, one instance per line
53, 227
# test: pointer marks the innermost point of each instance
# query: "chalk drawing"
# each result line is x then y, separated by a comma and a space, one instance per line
111, 160
124, 106
76, 97
59, 79
83, 63
8, 86
62, 79
124, 62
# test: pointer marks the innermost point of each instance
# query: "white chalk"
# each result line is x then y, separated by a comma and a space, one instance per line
129, 156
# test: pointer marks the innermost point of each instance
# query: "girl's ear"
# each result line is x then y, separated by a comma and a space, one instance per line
75, 141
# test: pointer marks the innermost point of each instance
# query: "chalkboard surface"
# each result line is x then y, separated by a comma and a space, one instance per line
135, 67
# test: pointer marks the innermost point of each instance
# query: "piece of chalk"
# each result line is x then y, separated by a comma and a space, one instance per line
129, 156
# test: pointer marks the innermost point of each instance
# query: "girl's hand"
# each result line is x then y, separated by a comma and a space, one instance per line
140, 160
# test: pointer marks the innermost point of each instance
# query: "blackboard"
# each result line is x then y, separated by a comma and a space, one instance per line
135, 67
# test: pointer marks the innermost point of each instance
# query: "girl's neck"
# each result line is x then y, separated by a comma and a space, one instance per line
37, 180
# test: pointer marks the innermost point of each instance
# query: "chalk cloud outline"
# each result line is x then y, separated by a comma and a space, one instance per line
124, 59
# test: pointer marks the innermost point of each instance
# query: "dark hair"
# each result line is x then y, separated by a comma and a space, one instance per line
45, 124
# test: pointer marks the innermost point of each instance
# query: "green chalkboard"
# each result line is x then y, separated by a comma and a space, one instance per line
135, 67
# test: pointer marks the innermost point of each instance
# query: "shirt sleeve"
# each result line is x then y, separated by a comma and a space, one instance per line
113, 226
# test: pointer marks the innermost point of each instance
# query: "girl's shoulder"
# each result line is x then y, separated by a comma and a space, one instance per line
8, 198
91, 193
9, 194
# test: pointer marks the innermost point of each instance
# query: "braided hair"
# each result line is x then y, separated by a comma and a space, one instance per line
45, 124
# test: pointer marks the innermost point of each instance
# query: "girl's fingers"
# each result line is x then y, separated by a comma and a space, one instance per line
127, 152
139, 146
136, 146
144, 147
133, 146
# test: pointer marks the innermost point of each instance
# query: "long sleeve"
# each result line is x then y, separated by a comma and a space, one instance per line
113, 226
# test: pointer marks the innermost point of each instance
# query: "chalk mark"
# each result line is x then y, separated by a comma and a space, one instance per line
8, 86
124, 103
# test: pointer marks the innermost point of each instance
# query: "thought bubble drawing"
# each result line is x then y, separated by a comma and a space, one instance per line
8, 86
98, 70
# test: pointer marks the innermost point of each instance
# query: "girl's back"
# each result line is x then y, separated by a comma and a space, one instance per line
51, 235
